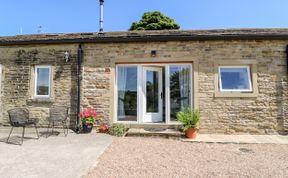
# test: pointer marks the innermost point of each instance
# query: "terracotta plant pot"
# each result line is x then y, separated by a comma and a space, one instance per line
191, 133
103, 129
87, 128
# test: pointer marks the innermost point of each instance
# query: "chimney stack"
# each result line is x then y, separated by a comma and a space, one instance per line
101, 16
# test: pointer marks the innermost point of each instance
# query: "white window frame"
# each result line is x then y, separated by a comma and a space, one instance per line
0, 78
139, 90
235, 90
35, 83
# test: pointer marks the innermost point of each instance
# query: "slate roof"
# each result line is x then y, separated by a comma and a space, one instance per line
138, 36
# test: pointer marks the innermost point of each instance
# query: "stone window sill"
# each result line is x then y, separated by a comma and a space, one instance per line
235, 95
40, 100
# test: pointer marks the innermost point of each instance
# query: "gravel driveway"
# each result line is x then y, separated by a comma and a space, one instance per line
156, 157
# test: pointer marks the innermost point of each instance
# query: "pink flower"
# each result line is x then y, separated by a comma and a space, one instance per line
87, 113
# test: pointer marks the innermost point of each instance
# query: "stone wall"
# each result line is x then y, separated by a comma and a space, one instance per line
18, 64
263, 114
97, 91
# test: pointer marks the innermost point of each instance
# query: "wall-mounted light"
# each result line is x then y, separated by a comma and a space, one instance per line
66, 56
153, 53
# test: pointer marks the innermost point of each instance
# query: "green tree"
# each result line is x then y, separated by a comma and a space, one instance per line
154, 21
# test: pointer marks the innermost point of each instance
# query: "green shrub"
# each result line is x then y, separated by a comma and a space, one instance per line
117, 130
190, 118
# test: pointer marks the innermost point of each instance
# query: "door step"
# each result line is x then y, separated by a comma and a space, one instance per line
155, 125
155, 132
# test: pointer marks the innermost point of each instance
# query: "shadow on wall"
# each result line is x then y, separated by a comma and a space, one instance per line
73, 94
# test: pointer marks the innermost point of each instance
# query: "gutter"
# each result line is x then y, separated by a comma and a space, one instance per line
78, 73
148, 38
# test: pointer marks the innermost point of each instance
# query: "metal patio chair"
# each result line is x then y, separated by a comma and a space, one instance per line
58, 115
19, 117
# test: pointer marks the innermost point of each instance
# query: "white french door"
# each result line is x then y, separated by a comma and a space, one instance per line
152, 94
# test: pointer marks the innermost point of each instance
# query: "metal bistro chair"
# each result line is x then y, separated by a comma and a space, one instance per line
19, 117
58, 114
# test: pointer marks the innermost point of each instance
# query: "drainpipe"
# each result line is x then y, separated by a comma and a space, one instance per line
79, 61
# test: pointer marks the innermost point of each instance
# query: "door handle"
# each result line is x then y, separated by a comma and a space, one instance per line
161, 95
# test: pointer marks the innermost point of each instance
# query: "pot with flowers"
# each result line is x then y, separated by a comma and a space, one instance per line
103, 128
190, 120
88, 117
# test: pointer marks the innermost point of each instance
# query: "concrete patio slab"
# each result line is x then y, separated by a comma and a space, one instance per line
253, 139
55, 156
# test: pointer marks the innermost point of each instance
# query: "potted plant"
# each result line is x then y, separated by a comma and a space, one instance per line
190, 119
117, 129
103, 128
88, 117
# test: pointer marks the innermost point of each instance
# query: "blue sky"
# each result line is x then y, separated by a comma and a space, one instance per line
58, 16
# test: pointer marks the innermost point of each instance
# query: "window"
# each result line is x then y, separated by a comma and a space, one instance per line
235, 79
127, 93
42, 81
179, 78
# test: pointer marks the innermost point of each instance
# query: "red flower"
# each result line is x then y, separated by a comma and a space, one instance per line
88, 116
87, 113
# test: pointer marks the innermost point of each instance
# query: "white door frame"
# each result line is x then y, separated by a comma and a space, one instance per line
167, 89
0, 90
140, 91
149, 116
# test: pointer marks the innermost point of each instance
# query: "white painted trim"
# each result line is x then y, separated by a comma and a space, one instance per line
115, 115
167, 94
35, 83
0, 81
1, 68
235, 90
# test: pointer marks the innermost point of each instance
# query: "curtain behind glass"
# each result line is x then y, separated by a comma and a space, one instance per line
184, 81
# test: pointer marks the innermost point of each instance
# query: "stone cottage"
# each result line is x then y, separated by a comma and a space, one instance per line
237, 78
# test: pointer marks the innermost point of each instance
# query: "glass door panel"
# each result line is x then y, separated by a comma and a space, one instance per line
152, 98
180, 80
152, 91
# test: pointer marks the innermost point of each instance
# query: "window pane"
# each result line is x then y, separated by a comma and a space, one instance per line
235, 79
127, 93
152, 78
179, 89
42, 81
